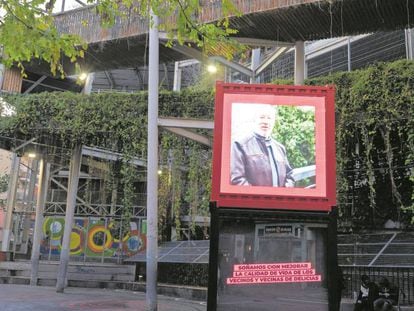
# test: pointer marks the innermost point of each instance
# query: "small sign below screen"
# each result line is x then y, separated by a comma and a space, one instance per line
282, 230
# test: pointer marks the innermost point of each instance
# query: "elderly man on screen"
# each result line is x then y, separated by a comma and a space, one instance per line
257, 159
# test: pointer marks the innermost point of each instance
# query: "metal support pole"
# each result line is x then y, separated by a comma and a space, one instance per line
177, 77
114, 198
2, 70
299, 62
44, 169
213, 259
29, 199
75, 164
349, 54
152, 167
11, 200
87, 88
409, 43
255, 63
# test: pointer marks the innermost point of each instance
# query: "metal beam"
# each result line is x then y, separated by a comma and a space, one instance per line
110, 79
205, 220
187, 62
140, 78
109, 155
186, 123
382, 250
77, 198
233, 65
81, 3
36, 83
48, 86
321, 47
263, 42
278, 53
24, 144
189, 134
196, 54
65, 174
190, 52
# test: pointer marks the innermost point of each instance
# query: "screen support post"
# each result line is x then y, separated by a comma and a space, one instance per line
335, 276
213, 256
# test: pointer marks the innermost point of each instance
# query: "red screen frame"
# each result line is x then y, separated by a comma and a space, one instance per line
323, 197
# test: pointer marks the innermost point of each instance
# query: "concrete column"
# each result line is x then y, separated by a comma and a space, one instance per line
11, 201
255, 62
299, 62
177, 77
44, 170
75, 164
152, 166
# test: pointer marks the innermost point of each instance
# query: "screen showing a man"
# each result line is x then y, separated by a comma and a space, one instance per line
257, 159
273, 146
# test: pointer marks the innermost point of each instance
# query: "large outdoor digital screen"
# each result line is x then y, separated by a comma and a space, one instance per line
274, 147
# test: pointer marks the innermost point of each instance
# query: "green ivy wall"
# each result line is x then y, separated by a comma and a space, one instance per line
374, 141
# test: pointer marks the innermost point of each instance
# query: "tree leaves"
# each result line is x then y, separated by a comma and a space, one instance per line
28, 32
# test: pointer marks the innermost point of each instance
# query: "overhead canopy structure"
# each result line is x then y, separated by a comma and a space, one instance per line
262, 23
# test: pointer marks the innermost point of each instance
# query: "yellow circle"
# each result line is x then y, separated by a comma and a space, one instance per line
75, 243
75, 240
108, 239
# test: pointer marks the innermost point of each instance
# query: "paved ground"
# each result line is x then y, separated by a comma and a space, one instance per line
40, 298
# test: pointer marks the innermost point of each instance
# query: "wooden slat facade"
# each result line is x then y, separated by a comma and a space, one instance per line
12, 80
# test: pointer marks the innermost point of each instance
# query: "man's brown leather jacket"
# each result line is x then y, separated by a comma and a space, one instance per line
250, 164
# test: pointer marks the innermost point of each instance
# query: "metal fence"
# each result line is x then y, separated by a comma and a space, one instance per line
402, 277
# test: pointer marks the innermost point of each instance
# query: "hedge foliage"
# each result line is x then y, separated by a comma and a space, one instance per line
374, 140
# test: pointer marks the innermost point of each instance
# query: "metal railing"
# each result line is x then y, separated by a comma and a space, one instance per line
402, 277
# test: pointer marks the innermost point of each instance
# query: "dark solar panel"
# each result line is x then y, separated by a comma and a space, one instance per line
179, 252
381, 249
